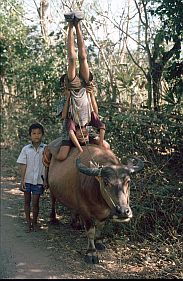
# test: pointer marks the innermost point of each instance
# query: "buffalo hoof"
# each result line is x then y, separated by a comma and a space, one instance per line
91, 259
77, 226
100, 246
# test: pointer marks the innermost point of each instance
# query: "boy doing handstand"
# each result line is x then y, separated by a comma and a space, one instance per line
80, 109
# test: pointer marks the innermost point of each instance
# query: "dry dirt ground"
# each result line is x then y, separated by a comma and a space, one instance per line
56, 252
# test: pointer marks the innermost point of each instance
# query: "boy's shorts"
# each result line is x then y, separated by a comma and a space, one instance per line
77, 83
92, 138
35, 189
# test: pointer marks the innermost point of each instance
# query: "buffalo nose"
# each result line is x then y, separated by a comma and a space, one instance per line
123, 211
127, 211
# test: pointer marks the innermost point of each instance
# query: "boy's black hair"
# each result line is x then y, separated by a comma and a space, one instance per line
36, 126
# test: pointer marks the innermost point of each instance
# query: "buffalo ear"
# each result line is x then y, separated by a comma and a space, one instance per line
94, 165
86, 170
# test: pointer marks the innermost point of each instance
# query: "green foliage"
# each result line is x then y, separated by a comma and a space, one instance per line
174, 93
170, 13
156, 193
30, 72
166, 48
141, 132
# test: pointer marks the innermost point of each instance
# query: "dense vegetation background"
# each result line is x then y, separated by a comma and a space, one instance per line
139, 90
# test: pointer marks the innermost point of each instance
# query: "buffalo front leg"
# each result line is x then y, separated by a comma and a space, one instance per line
53, 219
98, 237
91, 254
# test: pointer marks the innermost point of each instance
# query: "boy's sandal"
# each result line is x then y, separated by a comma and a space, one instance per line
28, 227
35, 227
69, 17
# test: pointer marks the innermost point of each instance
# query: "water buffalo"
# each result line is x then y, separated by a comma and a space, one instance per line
94, 192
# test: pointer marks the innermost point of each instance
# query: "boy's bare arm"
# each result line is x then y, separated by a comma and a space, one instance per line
22, 172
94, 103
66, 106
101, 136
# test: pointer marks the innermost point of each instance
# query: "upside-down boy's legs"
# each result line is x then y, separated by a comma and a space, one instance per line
82, 55
71, 71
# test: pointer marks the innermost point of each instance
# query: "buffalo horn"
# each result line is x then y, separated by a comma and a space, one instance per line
87, 171
134, 168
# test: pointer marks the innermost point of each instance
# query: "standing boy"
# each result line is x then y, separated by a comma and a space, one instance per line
32, 174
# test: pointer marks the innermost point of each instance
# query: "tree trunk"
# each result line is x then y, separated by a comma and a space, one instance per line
43, 21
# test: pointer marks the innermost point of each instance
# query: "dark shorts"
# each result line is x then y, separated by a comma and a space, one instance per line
35, 189
67, 143
70, 143
92, 140
77, 83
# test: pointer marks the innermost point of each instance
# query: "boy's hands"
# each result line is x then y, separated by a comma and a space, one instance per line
79, 153
45, 184
22, 185
101, 143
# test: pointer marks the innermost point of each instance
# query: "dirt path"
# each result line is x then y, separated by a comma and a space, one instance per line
20, 256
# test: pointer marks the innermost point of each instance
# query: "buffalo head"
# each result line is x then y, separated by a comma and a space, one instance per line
114, 185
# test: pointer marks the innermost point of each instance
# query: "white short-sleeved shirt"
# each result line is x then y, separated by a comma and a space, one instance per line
33, 159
